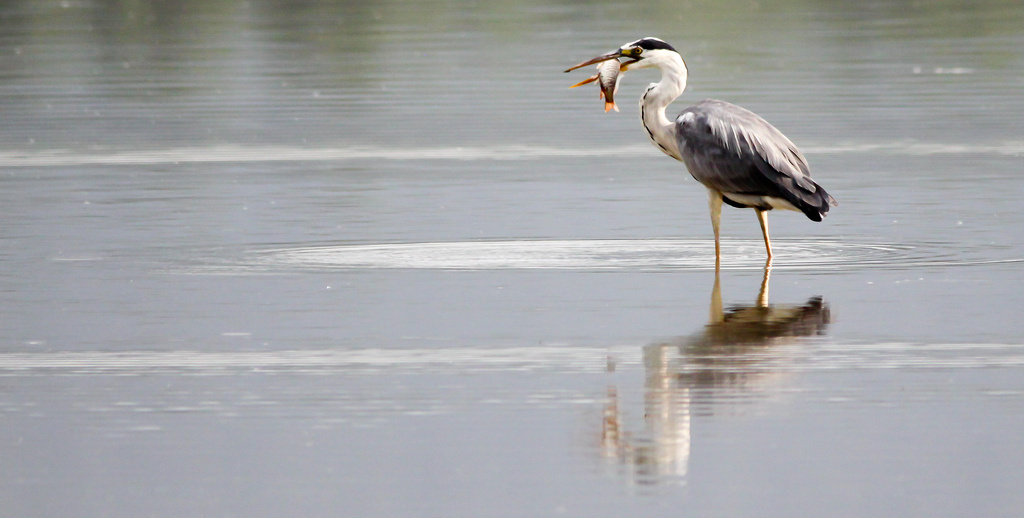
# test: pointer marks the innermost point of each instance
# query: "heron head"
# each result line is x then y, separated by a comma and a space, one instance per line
642, 53
646, 52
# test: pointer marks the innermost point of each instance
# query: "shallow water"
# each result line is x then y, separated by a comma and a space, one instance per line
378, 260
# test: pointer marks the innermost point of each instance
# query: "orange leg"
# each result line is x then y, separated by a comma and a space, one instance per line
715, 205
762, 217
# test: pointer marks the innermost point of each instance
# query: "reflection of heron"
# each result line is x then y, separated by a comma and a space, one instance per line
759, 324
728, 353
729, 350
741, 158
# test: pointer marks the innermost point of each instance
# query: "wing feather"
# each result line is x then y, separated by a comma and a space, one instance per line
732, 150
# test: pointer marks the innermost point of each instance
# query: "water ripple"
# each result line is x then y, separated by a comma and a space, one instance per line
814, 355
244, 154
608, 255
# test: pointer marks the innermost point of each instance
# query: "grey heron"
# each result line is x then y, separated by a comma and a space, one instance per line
743, 160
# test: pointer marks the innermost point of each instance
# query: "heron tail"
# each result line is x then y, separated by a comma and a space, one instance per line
815, 205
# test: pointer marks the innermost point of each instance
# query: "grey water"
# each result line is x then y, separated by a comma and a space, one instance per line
377, 259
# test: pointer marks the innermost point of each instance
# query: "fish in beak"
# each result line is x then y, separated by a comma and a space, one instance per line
609, 71
607, 77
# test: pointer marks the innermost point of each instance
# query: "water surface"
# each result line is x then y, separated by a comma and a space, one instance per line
376, 259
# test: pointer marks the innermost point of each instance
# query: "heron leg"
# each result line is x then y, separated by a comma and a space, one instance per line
715, 205
762, 217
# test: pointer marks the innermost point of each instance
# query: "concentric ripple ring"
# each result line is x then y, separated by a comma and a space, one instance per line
612, 255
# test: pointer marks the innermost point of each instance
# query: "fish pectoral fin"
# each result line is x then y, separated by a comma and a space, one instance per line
585, 81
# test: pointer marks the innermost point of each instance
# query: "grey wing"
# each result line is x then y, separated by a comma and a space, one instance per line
732, 150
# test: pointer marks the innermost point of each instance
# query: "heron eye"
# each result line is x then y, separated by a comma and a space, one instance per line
636, 51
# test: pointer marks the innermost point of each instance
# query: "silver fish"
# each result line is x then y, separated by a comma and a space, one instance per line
607, 77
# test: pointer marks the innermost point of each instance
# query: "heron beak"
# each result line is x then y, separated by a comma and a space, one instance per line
604, 57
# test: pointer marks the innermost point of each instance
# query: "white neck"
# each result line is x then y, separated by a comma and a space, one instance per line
658, 96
